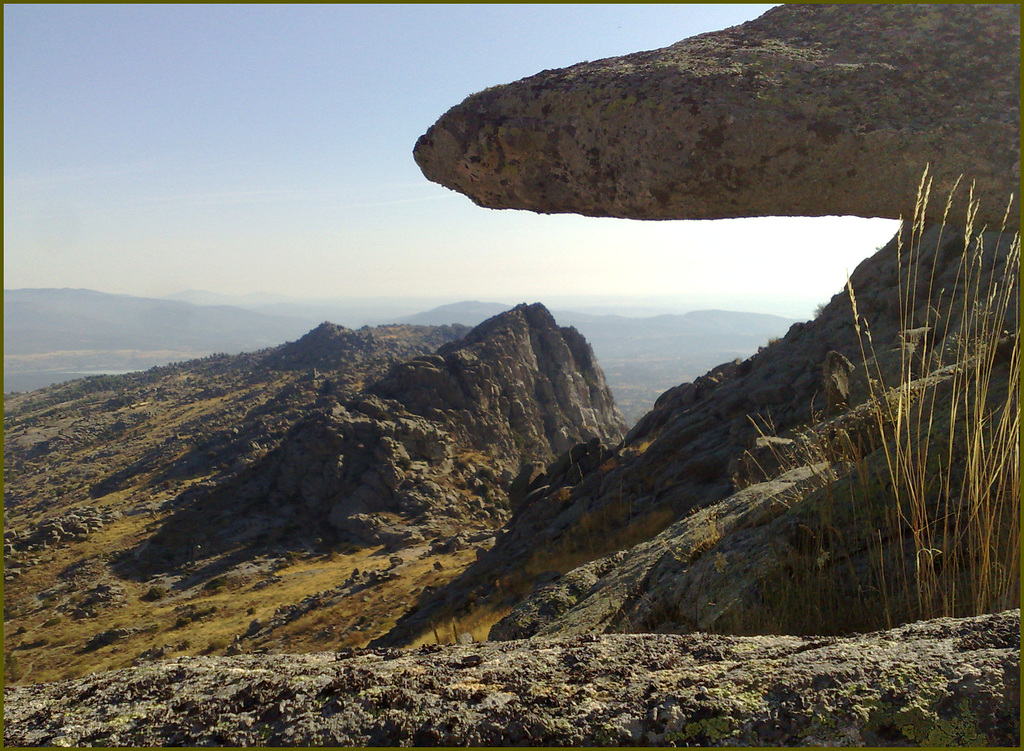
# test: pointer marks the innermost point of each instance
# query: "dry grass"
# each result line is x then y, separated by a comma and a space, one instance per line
953, 459
353, 622
597, 533
477, 624
172, 414
930, 497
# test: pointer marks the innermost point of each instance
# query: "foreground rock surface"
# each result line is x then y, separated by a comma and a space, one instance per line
936, 683
809, 110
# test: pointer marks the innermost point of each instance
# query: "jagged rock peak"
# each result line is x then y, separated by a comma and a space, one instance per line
533, 315
809, 110
427, 450
531, 388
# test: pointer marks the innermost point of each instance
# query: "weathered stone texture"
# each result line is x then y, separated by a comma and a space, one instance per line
809, 110
936, 683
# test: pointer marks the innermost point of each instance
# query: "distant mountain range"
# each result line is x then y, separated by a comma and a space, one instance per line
618, 328
345, 311
468, 313
54, 320
52, 335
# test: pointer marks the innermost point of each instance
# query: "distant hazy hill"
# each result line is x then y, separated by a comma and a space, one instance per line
352, 312
50, 320
54, 335
703, 328
468, 313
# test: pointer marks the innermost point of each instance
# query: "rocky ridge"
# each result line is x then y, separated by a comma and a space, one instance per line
693, 452
530, 387
808, 110
425, 451
95, 467
671, 133
329, 344
233, 475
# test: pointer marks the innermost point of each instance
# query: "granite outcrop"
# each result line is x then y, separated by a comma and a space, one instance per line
809, 110
945, 682
752, 500
679, 481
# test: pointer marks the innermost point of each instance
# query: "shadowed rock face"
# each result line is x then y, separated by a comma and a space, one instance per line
682, 464
809, 110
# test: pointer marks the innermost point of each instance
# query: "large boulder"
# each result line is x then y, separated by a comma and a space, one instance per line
809, 110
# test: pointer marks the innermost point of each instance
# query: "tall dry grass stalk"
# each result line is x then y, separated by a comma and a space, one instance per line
951, 445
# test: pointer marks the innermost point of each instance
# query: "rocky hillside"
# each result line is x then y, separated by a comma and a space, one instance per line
95, 467
92, 436
423, 453
326, 474
708, 439
801, 490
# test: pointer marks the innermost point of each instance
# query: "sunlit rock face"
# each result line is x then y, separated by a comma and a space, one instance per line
809, 110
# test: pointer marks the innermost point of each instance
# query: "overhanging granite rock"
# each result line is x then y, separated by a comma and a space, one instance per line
809, 110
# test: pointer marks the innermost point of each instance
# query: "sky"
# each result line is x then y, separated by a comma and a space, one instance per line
262, 148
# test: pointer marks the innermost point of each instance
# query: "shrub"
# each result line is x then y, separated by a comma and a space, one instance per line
12, 668
217, 644
216, 583
156, 592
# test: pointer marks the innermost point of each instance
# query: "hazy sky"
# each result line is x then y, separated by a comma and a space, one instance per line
242, 148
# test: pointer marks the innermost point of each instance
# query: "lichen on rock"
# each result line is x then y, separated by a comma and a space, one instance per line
901, 687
